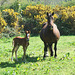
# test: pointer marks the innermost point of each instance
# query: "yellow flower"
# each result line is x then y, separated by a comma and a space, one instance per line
38, 58
22, 26
55, 16
29, 14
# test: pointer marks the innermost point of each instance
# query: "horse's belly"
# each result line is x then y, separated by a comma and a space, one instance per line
50, 37
50, 40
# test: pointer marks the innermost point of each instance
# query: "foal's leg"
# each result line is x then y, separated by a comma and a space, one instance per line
16, 52
24, 49
55, 48
12, 53
45, 50
50, 48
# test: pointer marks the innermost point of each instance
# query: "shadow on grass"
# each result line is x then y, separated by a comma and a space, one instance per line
13, 64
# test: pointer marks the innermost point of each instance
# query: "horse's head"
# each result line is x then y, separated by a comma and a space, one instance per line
50, 20
27, 35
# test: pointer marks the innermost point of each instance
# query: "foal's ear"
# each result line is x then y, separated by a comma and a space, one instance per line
26, 31
52, 13
29, 31
47, 13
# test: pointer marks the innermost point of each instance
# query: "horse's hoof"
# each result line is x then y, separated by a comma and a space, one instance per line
25, 61
55, 56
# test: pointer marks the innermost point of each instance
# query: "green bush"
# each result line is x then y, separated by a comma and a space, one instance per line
69, 3
32, 25
12, 19
33, 16
36, 16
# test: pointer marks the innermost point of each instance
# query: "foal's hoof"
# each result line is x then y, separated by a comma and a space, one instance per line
16, 59
47, 55
44, 57
11, 59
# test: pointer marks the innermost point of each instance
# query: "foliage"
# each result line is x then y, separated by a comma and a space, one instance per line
30, 15
38, 14
2, 24
66, 20
69, 3
11, 19
64, 17
15, 5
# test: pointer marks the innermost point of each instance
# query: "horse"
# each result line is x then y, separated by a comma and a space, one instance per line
19, 41
50, 34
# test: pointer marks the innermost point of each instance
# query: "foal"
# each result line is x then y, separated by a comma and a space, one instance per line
19, 41
50, 34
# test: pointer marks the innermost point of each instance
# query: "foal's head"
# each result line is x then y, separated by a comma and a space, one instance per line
27, 35
50, 20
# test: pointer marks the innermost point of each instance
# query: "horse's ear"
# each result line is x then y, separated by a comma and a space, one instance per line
47, 13
52, 13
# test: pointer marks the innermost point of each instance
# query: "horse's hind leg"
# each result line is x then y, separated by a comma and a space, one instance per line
55, 48
50, 48
45, 50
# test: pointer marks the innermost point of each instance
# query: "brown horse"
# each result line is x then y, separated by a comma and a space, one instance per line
50, 34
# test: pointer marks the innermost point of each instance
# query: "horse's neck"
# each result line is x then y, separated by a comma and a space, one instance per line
48, 30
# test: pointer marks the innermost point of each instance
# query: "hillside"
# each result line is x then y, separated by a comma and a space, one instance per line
46, 2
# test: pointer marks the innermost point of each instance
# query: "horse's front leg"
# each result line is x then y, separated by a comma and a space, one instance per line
55, 48
50, 48
45, 50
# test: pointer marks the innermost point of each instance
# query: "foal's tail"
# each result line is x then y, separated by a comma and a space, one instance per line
13, 42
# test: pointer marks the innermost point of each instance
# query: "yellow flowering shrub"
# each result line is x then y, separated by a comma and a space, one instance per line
34, 16
11, 17
64, 15
68, 12
38, 12
67, 16
2, 24
65, 12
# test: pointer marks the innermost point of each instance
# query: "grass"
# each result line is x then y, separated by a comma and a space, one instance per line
36, 65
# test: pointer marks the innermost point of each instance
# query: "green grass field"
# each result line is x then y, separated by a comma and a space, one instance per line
36, 65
